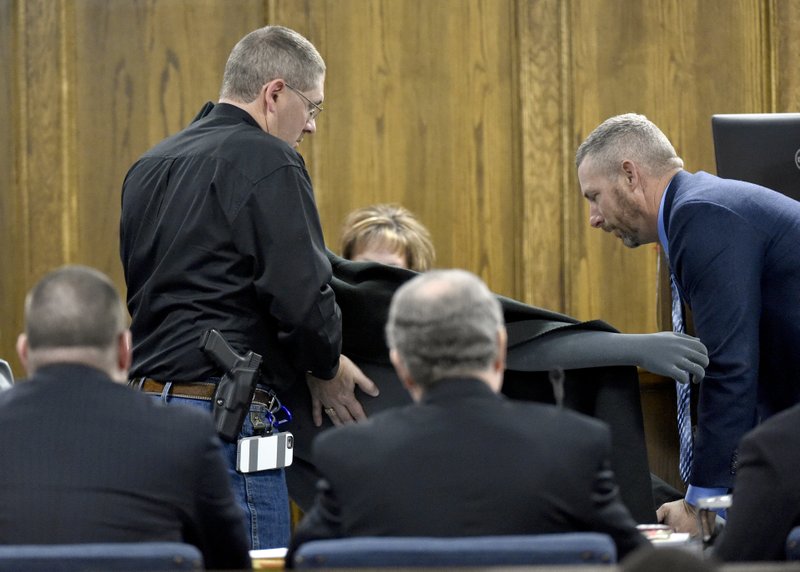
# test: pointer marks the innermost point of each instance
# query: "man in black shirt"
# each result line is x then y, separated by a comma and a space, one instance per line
219, 229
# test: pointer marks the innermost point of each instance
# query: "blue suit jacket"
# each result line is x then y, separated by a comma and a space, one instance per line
734, 248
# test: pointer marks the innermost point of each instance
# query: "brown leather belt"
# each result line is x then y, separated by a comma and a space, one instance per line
193, 390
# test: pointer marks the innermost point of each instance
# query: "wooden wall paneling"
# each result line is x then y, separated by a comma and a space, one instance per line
785, 27
95, 84
37, 205
546, 158
350, 157
466, 111
143, 71
421, 111
45, 138
12, 246
678, 62
603, 281
661, 427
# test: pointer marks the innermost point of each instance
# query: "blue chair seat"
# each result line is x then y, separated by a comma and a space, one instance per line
128, 556
514, 550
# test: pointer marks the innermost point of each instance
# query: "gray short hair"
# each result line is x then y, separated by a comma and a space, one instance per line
444, 323
74, 306
269, 53
629, 136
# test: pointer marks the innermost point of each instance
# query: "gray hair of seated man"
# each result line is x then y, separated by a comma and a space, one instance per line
73, 306
444, 323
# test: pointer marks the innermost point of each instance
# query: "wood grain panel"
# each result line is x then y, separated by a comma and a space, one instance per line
420, 110
97, 84
44, 138
543, 65
35, 208
143, 70
786, 48
11, 243
466, 111
661, 427
36, 205
678, 62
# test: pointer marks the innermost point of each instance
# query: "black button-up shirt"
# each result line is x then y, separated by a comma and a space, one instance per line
219, 228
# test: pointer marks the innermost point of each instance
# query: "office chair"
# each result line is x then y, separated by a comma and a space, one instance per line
413, 552
128, 556
793, 544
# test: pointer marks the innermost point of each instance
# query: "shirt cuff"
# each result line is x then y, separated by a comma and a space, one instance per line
326, 375
694, 494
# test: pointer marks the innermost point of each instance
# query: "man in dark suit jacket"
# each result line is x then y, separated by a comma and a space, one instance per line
733, 251
463, 460
766, 493
87, 459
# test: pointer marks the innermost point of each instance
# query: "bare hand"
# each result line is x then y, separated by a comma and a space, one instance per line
337, 396
679, 515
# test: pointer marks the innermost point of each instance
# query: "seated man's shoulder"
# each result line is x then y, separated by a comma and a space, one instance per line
776, 438
778, 423
170, 419
550, 423
376, 429
551, 414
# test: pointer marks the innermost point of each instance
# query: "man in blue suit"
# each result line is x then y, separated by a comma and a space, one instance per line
734, 253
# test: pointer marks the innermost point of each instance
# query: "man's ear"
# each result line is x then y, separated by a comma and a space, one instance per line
502, 349
405, 377
630, 172
22, 351
124, 351
399, 366
271, 92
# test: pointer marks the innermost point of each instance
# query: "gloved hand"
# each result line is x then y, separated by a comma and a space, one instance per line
678, 356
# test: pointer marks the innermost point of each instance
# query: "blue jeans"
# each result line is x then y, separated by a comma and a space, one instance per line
262, 495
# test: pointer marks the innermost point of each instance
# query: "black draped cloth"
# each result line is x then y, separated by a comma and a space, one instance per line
364, 291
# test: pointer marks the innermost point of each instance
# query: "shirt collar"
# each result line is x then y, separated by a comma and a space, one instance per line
444, 390
228, 110
662, 231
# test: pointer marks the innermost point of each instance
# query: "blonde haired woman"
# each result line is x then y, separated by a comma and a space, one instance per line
389, 234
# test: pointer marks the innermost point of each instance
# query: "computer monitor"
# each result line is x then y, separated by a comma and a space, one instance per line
762, 148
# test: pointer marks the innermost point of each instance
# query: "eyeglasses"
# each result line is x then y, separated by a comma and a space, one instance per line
314, 110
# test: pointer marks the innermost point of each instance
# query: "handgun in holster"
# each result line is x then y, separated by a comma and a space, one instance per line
236, 388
